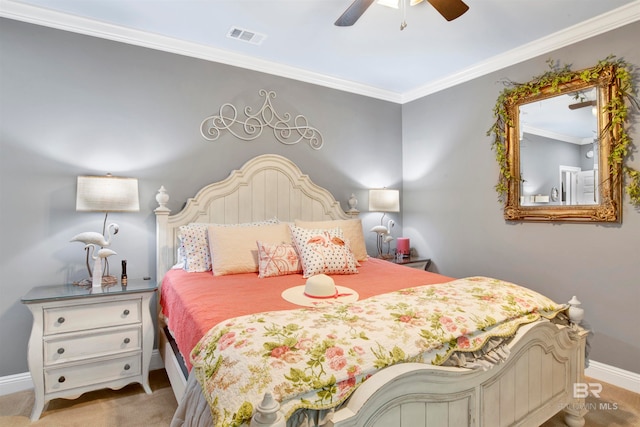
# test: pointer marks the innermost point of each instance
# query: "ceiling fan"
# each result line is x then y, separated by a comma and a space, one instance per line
582, 104
449, 9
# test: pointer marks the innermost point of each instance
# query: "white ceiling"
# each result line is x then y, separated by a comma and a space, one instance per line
372, 58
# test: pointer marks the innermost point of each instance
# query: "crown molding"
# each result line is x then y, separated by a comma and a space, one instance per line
76, 24
48, 18
598, 25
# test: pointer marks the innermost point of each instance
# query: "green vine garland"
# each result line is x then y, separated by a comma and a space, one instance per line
554, 78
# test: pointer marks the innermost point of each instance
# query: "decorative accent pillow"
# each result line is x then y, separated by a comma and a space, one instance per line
352, 229
194, 246
194, 243
233, 249
323, 251
277, 260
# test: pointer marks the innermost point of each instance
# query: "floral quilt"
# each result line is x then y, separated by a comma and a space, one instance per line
315, 358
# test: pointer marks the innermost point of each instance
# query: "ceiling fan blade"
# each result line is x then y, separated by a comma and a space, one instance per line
582, 104
353, 13
450, 9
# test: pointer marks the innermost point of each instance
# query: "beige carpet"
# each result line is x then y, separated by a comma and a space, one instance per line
131, 407
128, 407
616, 407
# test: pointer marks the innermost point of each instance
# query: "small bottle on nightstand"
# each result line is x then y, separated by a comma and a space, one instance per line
123, 278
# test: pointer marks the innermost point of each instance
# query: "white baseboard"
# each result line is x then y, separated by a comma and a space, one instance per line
598, 371
614, 376
156, 361
19, 382
15, 383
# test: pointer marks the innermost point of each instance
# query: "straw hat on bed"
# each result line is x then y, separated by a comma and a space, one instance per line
319, 290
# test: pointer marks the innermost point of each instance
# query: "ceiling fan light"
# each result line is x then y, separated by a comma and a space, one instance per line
449, 9
389, 3
395, 3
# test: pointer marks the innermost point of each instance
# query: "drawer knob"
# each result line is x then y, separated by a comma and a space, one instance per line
60, 319
61, 379
126, 312
127, 367
60, 350
127, 340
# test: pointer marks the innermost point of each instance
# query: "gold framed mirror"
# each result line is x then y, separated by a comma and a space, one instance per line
560, 143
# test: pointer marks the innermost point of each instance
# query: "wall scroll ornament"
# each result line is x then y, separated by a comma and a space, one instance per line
286, 129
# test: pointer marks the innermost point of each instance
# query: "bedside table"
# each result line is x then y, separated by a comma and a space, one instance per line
83, 340
413, 262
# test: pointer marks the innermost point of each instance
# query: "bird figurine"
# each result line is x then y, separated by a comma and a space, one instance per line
96, 240
387, 239
98, 256
380, 229
384, 235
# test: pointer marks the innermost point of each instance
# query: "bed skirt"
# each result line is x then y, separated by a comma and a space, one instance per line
194, 411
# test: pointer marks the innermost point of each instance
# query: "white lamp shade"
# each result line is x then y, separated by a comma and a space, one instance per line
384, 200
107, 194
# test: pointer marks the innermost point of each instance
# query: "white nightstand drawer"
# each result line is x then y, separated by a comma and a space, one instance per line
101, 371
90, 316
83, 345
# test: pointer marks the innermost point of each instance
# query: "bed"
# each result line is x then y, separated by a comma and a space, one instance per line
539, 361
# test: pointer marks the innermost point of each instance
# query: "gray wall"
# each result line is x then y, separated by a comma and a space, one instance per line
72, 105
450, 209
540, 160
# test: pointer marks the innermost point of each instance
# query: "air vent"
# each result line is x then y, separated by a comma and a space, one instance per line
246, 35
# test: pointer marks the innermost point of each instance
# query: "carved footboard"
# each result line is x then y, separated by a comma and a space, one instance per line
534, 384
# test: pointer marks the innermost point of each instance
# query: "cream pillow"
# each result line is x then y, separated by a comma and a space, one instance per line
194, 249
352, 229
234, 250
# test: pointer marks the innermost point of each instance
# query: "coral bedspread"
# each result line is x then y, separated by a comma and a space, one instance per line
195, 302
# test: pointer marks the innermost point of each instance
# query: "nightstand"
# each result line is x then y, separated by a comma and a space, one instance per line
413, 262
83, 340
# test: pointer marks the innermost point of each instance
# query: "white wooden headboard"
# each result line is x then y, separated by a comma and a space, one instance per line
265, 187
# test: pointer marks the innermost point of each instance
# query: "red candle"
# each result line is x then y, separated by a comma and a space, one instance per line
403, 246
